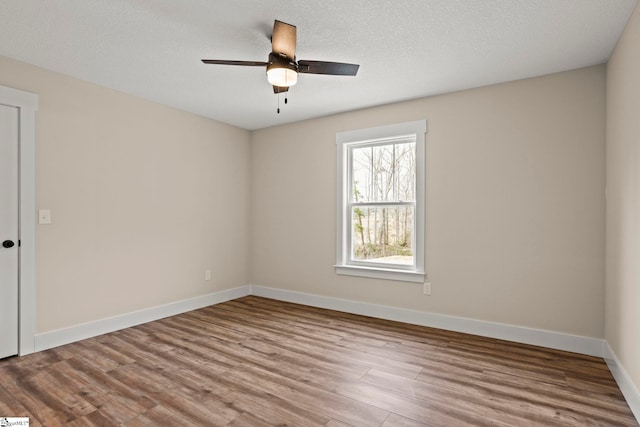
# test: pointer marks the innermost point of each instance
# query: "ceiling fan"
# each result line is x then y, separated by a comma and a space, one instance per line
282, 66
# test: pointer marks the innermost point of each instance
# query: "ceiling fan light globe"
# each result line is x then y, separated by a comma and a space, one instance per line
282, 77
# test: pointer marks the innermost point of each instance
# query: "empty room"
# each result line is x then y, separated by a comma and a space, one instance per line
295, 213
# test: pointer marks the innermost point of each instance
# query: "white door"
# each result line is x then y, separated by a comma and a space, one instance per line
8, 231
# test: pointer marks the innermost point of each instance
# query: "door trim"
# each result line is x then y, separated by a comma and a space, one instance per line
27, 105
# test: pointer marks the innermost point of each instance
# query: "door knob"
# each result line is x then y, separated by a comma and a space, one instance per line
8, 244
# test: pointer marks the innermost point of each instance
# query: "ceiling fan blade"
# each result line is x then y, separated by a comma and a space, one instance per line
324, 67
283, 39
280, 89
245, 63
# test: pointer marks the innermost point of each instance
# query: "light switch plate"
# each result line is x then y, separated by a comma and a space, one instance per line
44, 216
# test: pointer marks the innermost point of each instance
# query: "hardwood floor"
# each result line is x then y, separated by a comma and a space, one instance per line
260, 362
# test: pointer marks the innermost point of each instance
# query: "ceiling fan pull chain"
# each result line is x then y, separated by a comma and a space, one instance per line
278, 103
286, 94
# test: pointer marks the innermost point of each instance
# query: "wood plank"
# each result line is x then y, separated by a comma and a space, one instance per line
354, 412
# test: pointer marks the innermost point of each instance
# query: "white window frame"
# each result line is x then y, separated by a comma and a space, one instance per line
345, 141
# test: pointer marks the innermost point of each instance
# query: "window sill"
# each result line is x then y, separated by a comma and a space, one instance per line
380, 273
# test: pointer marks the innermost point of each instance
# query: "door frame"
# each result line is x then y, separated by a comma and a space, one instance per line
27, 105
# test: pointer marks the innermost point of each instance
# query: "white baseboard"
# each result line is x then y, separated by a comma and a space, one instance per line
549, 339
71, 334
629, 390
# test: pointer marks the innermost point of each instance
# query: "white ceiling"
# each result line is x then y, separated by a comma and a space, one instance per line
406, 48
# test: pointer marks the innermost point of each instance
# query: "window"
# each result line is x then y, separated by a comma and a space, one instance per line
380, 217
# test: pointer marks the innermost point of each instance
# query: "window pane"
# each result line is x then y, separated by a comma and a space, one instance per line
383, 173
382, 234
405, 172
361, 174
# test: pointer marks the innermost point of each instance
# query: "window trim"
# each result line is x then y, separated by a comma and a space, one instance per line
345, 140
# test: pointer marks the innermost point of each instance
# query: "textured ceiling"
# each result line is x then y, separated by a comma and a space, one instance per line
406, 48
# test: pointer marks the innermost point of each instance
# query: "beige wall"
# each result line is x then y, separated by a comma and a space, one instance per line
515, 204
143, 197
623, 200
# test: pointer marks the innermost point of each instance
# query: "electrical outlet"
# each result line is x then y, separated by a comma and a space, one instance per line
426, 289
207, 275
